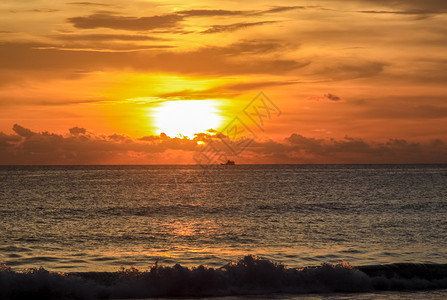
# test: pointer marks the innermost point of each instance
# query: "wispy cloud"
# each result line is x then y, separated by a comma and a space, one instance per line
89, 4
426, 5
113, 21
279, 9
126, 23
105, 37
36, 10
210, 12
245, 57
235, 26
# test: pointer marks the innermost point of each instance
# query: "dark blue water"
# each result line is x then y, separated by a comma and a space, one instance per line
99, 218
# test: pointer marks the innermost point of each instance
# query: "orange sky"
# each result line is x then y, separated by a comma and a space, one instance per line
354, 81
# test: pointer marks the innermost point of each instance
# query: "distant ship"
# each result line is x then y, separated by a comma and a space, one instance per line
229, 163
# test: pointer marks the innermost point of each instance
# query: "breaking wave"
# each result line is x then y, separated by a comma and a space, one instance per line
250, 275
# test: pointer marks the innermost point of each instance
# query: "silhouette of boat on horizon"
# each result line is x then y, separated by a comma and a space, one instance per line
228, 163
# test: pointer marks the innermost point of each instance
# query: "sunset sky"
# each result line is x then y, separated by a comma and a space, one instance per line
155, 82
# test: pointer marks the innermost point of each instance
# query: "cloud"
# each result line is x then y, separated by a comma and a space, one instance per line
226, 91
119, 138
187, 94
105, 47
252, 47
244, 57
399, 12
223, 12
428, 71
126, 23
39, 100
89, 4
420, 9
332, 97
431, 5
105, 37
104, 42
347, 68
170, 21
278, 9
254, 85
417, 13
210, 12
22, 131
301, 149
326, 97
28, 147
235, 26
404, 111
37, 10
78, 147
77, 131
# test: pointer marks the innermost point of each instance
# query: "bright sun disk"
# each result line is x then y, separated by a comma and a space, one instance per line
186, 117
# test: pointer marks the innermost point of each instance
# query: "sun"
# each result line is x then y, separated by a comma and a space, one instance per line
184, 118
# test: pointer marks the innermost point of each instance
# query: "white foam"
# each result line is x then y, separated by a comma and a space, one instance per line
248, 276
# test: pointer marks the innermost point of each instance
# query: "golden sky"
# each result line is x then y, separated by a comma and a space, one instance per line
135, 82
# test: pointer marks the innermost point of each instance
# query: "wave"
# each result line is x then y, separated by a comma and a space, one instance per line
250, 275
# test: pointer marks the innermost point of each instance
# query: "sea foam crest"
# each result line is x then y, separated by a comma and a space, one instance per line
249, 276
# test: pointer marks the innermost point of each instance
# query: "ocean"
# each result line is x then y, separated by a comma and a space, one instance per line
243, 231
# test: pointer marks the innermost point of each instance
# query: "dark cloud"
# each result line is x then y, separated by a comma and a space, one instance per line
172, 20
105, 37
428, 72
77, 130
399, 12
332, 97
234, 27
226, 91
326, 97
36, 10
253, 47
245, 86
89, 4
278, 9
404, 111
105, 47
419, 9
219, 66
416, 13
415, 107
210, 12
126, 23
17, 78
119, 138
22, 131
237, 58
188, 94
301, 149
245, 57
28, 147
223, 12
345, 69
430, 5
44, 101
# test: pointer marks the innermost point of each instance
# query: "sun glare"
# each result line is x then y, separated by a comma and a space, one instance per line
186, 117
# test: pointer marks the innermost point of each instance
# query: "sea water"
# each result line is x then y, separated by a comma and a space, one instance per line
269, 230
